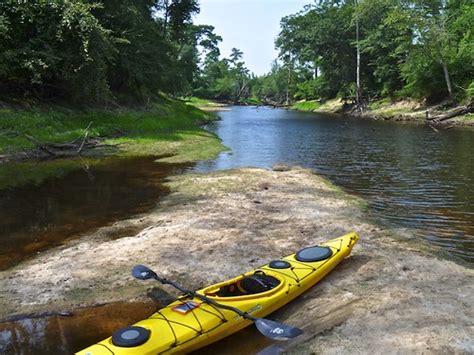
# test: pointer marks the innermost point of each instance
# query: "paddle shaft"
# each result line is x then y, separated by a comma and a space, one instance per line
269, 328
204, 298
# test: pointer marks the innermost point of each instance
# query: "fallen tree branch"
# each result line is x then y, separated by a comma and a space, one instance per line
436, 125
65, 149
86, 133
430, 125
44, 147
462, 110
269, 102
80, 136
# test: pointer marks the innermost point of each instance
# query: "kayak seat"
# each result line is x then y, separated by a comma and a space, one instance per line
249, 285
258, 283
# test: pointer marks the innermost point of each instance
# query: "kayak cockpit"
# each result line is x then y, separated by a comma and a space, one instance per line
244, 285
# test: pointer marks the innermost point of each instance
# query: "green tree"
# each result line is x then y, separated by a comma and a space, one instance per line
224, 79
54, 49
416, 48
95, 52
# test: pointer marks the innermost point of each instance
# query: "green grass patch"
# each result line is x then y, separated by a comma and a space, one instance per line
170, 128
394, 111
200, 103
389, 109
378, 104
162, 121
468, 117
331, 106
306, 105
179, 146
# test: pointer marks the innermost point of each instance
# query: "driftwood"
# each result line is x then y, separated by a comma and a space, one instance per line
69, 149
436, 126
274, 104
439, 122
432, 126
462, 110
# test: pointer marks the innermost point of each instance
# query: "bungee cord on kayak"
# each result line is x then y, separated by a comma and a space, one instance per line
198, 331
202, 317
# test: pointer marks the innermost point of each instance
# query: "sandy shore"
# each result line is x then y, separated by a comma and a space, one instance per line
391, 296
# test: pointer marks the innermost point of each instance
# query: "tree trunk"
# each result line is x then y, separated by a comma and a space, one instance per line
448, 80
288, 86
445, 43
358, 91
241, 90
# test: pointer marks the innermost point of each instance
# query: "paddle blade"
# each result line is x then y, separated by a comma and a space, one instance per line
141, 272
277, 331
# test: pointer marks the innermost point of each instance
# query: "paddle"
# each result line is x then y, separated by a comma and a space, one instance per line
269, 328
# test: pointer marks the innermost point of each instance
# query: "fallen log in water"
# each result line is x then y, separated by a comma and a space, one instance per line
462, 110
274, 104
439, 122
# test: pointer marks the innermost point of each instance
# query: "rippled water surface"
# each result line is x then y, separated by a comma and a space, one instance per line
411, 176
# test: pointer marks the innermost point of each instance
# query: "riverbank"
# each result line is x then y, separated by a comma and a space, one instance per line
391, 294
162, 128
206, 105
169, 129
214, 106
403, 110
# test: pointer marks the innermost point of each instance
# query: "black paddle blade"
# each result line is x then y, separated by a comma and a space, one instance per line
141, 272
277, 331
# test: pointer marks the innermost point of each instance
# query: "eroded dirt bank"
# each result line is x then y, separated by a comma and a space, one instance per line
390, 296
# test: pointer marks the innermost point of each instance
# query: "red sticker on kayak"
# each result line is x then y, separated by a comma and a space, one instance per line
186, 307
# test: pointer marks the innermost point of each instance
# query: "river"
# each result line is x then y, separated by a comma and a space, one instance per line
81, 197
411, 176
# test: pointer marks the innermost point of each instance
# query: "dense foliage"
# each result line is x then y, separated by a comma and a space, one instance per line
224, 79
104, 51
99, 51
422, 49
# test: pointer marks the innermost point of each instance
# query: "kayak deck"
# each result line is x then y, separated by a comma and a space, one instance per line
189, 323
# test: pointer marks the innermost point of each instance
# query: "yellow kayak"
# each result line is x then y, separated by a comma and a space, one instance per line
190, 323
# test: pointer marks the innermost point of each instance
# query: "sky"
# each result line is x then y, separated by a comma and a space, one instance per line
249, 25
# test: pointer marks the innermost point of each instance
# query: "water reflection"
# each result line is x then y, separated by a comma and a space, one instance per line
67, 335
87, 326
34, 218
411, 176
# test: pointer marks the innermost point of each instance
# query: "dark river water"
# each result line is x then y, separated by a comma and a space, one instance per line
87, 195
411, 176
